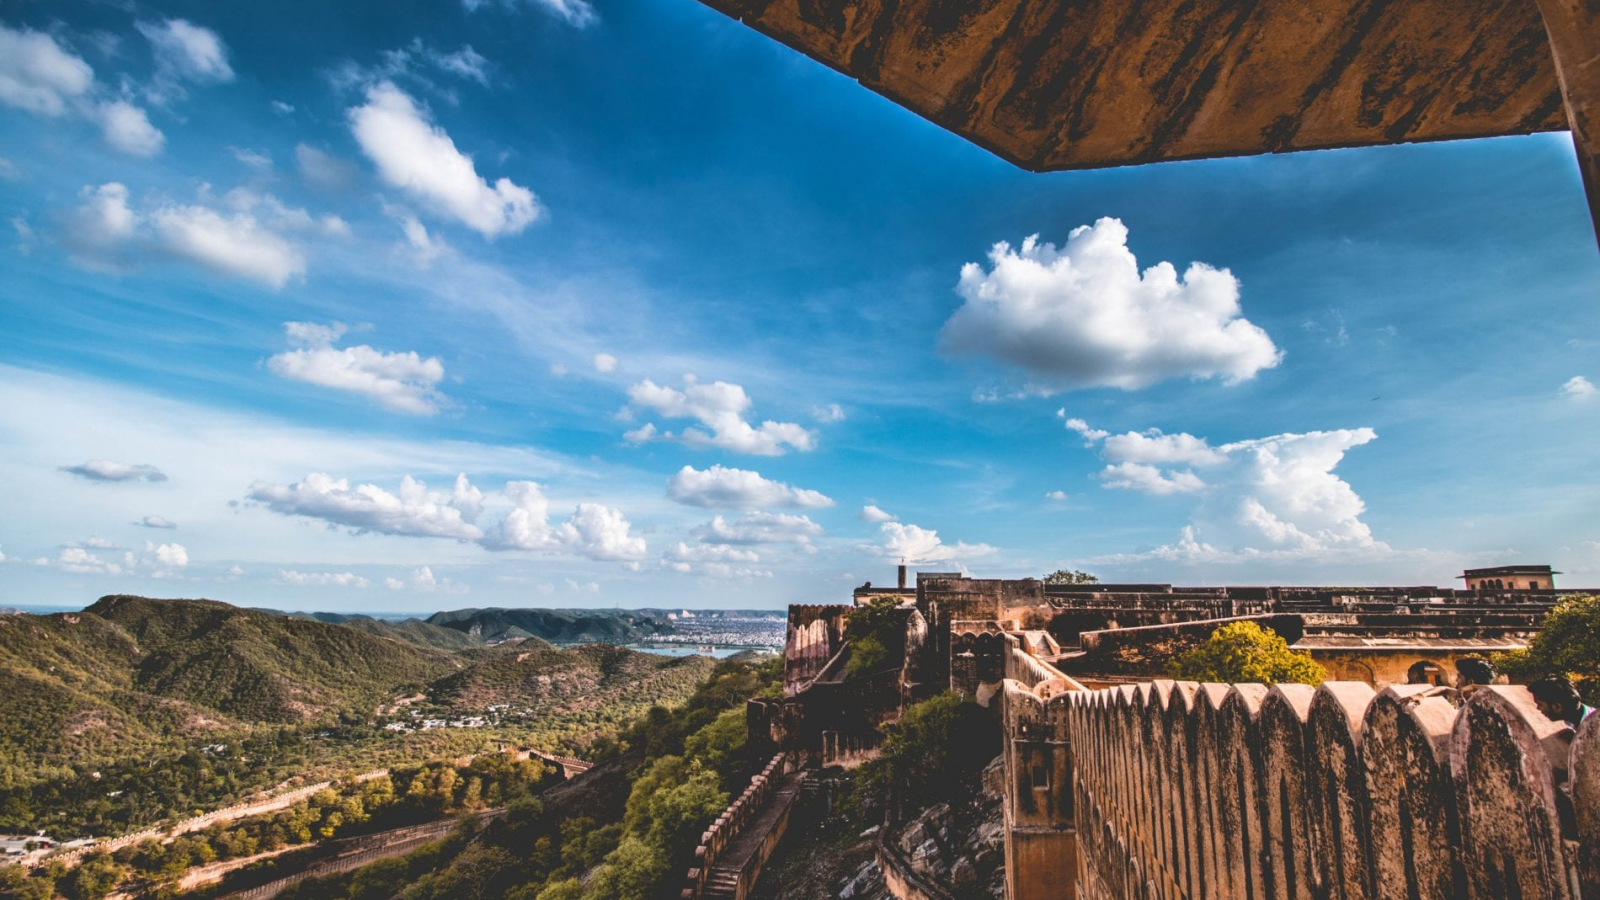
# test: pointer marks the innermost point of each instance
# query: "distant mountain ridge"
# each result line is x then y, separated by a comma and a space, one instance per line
129, 674
558, 626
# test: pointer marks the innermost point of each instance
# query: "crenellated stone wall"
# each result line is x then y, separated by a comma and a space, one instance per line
1181, 790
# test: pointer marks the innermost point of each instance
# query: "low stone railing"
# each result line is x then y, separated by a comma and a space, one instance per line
732, 821
1181, 790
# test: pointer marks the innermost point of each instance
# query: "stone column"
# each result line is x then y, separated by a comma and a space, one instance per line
1574, 30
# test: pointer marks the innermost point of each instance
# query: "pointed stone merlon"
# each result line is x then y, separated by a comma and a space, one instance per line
1574, 30
1186, 791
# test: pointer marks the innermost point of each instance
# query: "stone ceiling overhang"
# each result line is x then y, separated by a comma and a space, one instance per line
1073, 84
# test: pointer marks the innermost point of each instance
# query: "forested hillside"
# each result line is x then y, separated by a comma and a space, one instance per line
137, 709
558, 626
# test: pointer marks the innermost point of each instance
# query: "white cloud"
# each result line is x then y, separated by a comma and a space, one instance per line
37, 75
173, 556
156, 522
259, 160
79, 561
605, 362
414, 511
833, 412
466, 62
577, 13
188, 51
322, 579
235, 571
236, 245
715, 560
105, 232
1149, 479
917, 545
425, 247
417, 156
401, 382
1275, 495
1579, 388
1058, 496
425, 581
111, 470
127, 128
719, 487
719, 406
282, 108
313, 334
871, 513
1083, 315
323, 170
760, 528
96, 231
595, 531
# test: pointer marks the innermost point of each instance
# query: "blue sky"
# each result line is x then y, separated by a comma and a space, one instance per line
681, 305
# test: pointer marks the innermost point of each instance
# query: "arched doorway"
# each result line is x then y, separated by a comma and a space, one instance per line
1425, 672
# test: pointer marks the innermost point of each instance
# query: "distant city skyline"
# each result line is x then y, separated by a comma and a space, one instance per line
582, 304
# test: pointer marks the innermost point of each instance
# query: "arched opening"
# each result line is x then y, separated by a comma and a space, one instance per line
1426, 672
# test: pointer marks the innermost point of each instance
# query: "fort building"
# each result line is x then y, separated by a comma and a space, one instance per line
1510, 578
1120, 783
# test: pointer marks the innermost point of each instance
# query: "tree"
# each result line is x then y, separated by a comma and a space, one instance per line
877, 636
931, 755
94, 878
1246, 652
1070, 576
1567, 646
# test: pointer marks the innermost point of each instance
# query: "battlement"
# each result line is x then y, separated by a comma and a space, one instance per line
1171, 789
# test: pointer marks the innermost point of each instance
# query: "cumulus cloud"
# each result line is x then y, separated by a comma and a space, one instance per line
240, 239
110, 470
96, 232
577, 13
414, 510
595, 531
719, 407
1579, 388
172, 556
234, 245
1083, 315
723, 488
127, 128
39, 75
188, 51
425, 581
157, 522
760, 528
417, 156
871, 513
399, 381
917, 545
79, 561
605, 362
322, 579
1274, 495
714, 560
833, 412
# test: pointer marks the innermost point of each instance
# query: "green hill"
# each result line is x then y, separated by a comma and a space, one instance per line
558, 626
412, 631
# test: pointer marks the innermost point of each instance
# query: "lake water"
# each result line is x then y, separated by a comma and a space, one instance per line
666, 650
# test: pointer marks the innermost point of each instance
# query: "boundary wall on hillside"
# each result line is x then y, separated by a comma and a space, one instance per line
731, 824
1177, 790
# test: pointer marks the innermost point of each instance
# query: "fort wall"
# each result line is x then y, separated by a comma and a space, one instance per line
815, 635
1181, 790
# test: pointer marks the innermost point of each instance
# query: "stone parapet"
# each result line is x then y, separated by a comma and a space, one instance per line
1182, 790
